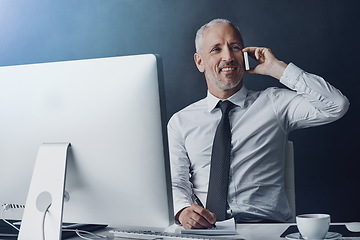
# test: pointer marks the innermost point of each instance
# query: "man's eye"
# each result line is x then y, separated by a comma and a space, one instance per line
236, 48
215, 50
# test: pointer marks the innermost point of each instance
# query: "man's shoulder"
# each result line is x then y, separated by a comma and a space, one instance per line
194, 107
189, 111
269, 97
269, 92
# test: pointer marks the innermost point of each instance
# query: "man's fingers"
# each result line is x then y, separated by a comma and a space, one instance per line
268, 63
258, 53
206, 214
196, 222
196, 216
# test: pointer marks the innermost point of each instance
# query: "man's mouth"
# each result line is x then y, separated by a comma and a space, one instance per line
227, 69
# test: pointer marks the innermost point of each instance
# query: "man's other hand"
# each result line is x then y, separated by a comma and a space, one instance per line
196, 216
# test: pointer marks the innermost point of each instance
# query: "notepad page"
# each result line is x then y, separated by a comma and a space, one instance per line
226, 227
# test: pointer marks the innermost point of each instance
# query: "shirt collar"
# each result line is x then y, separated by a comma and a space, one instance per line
238, 99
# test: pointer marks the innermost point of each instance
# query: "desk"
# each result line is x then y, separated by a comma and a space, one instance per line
246, 231
269, 231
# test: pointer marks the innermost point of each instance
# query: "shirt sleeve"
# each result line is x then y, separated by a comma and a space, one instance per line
313, 101
180, 166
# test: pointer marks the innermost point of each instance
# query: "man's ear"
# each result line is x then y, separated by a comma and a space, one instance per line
199, 62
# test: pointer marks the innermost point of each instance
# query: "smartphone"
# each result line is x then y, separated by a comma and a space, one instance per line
246, 60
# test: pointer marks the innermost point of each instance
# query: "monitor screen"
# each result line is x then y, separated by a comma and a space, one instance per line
112, 112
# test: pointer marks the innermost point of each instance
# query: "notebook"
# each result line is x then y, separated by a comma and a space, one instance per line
226, 227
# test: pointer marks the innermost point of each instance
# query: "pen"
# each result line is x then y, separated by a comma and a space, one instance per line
198, 202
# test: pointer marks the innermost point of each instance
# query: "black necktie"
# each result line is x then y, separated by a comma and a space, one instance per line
220, 162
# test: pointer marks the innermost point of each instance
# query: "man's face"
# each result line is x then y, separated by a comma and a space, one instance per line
221, 60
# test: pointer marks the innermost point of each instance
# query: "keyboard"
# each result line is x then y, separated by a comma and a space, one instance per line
152, 235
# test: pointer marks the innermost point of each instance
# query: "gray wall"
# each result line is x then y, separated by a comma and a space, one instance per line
321, 37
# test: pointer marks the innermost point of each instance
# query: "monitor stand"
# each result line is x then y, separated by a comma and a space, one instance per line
44, 205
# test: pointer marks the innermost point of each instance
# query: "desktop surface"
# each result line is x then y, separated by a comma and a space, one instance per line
244, 231
251, 231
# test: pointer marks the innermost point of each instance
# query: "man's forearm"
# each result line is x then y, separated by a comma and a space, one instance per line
328, 100
277, 69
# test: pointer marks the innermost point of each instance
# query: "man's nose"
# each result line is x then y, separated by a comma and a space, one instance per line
227, 54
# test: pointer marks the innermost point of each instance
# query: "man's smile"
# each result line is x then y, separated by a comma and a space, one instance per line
227, 69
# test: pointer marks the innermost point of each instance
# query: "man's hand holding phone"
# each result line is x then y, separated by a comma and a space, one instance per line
268, 63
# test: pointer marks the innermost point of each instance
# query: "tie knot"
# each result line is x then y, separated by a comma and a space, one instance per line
225, 106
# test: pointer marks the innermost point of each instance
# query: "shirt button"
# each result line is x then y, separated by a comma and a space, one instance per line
231, 201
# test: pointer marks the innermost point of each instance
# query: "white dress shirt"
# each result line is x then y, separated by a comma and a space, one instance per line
260, 124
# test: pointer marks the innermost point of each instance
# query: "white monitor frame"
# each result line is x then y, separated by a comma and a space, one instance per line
112, 112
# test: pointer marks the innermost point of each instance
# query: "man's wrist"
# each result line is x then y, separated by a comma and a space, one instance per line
277, 69
177, 220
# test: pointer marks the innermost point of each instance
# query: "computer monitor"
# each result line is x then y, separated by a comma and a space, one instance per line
112, 112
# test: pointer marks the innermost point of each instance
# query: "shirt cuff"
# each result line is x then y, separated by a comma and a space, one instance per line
176, 212
180, 207
291, 75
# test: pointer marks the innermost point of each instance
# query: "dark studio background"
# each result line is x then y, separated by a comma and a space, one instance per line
321, 37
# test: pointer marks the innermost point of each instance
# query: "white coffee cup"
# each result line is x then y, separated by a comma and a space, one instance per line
313, 226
